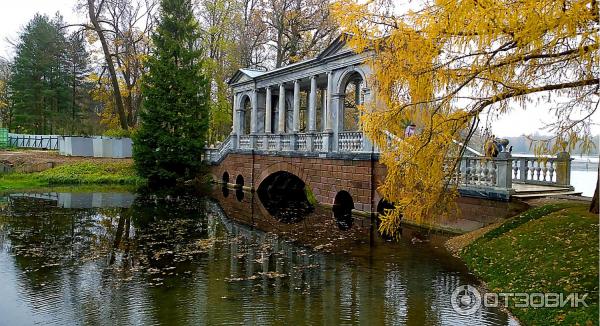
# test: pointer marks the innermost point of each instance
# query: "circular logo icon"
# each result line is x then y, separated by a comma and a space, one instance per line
465, 300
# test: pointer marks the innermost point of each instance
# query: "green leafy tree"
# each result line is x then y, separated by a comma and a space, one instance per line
46, 78
175, 94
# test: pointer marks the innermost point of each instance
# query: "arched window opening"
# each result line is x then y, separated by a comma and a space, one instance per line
247, 115
353, 97
225, 177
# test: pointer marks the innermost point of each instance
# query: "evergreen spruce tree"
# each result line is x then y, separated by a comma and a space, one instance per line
174, 120
40, 82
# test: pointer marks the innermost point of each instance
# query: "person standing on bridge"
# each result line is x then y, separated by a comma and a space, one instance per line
410, 130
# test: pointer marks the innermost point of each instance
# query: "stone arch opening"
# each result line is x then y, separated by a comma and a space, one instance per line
352, 90
246, 115
225, 177
343, 204
283, 194
239, 181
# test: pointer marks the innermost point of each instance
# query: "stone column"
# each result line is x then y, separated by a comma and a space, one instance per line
254, 112
281, 114
235, 123
234, 118
367, 143
330, 109
328, 132
296, 114
312, 105
337, 117
281, 108
312, 113
253, 118
268, 110
323, 109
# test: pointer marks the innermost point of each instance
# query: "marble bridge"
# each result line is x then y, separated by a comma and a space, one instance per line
301, 121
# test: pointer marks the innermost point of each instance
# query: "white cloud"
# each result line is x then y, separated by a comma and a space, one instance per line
14, 15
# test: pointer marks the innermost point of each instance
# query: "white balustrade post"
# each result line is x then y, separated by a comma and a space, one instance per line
268, 109
503, 170
563, 169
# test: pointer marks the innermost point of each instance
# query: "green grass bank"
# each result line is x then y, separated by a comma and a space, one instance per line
80, 173
547, 249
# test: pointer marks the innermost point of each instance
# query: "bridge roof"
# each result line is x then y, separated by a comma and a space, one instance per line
336, 47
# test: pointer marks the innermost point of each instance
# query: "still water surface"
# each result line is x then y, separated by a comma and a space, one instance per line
125, 259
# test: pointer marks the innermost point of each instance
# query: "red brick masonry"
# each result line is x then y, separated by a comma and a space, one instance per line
325, 177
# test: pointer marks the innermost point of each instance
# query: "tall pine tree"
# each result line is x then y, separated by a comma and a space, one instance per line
175, 92
39, 82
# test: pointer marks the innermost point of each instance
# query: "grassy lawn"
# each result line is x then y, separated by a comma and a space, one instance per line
548, 249
81, 173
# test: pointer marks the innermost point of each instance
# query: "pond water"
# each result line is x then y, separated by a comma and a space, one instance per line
126, 259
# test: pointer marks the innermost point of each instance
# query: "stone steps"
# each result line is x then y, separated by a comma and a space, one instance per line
546, 194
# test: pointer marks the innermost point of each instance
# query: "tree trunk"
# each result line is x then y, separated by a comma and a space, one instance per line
594, 206
110, 65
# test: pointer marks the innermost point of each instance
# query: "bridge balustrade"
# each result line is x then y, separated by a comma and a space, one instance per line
351, 141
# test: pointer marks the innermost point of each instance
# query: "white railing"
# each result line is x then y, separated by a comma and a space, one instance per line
272, 140
351, 141
245, 142
318, 142
286, 142
259, 142
215, 153
541, 170
478, 171
302, 140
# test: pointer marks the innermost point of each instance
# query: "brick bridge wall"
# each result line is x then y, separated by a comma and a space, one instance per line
325, 177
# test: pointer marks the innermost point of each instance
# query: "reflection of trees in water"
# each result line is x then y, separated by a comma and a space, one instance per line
225, 272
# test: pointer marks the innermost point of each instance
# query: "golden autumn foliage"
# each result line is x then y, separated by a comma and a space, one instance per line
448, 62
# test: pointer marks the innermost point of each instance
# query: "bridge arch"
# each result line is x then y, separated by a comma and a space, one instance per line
239, 181
285, 167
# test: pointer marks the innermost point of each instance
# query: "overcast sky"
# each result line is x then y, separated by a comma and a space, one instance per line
14, 14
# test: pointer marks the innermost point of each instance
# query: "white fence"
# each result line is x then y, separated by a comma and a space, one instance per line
95, 146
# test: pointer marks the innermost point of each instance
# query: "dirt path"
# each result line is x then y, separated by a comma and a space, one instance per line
38, 160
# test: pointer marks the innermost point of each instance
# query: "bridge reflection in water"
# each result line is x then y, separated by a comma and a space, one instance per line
191, 261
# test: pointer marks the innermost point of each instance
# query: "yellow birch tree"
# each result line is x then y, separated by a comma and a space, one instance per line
447, 62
